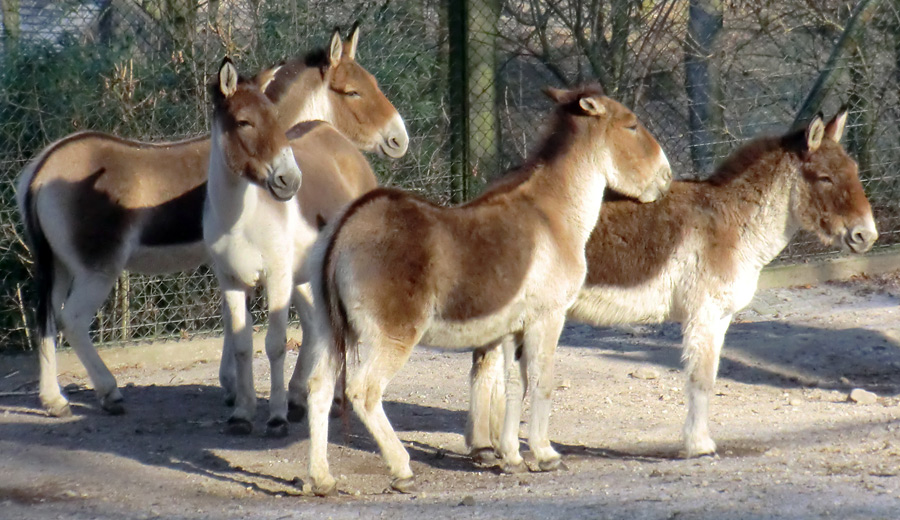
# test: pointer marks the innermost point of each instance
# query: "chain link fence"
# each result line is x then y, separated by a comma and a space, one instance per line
466, 75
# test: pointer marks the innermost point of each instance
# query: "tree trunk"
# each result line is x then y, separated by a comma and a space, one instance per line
482, 19
861, 124
703, 85
836, 62
11, 28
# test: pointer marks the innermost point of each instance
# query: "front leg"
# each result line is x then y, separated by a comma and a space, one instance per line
238, 333
539, 350
279, 286
702, 346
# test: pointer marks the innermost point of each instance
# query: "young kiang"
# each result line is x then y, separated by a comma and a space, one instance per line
95, 205
394, 271
695, 257
250, 227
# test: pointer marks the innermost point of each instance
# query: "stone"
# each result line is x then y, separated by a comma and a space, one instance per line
468, 501
860, 396
645, 373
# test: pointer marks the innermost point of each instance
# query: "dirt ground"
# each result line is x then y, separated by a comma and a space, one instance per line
791, 445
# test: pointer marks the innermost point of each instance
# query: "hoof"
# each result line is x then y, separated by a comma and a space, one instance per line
237, 426
328, 490
511, 469
404, 485
113, 406
60, 410
277, 428
484, 456
552, 465
296, 412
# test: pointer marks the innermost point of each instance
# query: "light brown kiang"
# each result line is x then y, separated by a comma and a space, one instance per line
695, 257
395, 270
95, 205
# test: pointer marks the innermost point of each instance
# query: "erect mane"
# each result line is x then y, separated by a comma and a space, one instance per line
558, 138
745, 156
290, 69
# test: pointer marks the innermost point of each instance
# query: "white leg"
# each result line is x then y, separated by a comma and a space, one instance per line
227, 368
365, 391
515, 385
278, 293
539, 350
236, 324
320, 364
51, 397
487, 404
702, 345
297, 387
88, 292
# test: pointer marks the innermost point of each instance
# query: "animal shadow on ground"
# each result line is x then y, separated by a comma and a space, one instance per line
774, 353
181, 427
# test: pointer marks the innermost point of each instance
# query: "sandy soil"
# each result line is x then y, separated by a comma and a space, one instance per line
791, 444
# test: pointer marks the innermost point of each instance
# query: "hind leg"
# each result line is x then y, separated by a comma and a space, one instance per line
365, 392
52, 398
296, 388
317, 372
487, 403
88, 292
227, 368
702, 345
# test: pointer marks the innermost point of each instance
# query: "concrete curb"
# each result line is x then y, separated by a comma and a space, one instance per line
841, 268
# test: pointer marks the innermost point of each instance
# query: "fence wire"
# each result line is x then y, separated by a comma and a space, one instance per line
466, 75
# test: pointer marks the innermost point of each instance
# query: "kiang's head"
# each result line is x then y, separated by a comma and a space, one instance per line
251, 140
610, 137
828, 198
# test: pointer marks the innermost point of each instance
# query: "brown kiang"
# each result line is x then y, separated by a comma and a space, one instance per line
695, 256
396, 270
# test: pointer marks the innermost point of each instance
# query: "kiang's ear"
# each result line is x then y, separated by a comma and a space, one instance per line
557, 95
352, 41
265, 78
814, 133
228, 78
592, 106
834, 130
336, 48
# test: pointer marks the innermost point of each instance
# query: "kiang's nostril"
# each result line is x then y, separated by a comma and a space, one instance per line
394, 142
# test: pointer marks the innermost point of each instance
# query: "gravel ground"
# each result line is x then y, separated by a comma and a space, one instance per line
791, 444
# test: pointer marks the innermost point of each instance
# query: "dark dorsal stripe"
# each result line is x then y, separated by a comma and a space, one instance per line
632, 242
304, 127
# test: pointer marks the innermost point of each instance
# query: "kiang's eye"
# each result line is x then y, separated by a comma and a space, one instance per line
825, 179
351, 93
633, 127
243, 123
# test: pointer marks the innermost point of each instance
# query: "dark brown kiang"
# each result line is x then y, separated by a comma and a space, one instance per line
695, 257
395, 271
95, 205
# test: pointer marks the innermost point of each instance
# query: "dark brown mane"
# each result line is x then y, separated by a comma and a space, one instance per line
741, 159
289, 70
557, 140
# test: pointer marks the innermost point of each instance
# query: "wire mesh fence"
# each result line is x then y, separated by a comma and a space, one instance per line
466, 75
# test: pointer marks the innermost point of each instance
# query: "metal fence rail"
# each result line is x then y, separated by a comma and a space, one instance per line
465, 74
